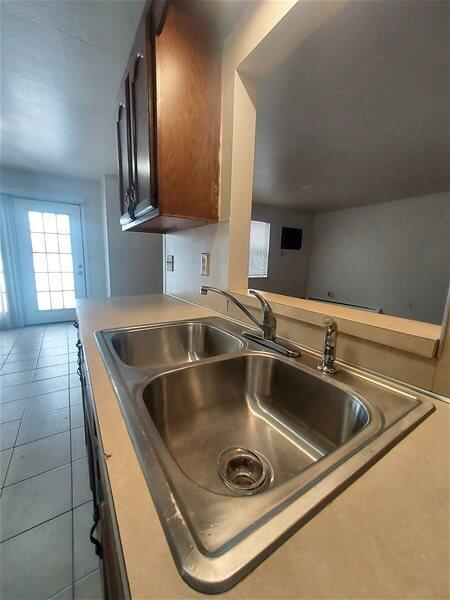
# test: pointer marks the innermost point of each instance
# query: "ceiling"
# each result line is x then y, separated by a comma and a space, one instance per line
221, 15
358, 114
61, 67
62, 63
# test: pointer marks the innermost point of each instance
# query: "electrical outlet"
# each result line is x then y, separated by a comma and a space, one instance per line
170, 262
204, 263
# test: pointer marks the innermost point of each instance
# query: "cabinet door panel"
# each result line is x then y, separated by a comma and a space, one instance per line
141, 115
123, 143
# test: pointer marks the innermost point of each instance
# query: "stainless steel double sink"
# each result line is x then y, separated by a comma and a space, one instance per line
240, 446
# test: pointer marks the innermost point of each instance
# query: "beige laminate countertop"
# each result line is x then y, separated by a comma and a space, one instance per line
385, 536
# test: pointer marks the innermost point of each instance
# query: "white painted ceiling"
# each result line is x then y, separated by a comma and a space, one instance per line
62, 62
358, 114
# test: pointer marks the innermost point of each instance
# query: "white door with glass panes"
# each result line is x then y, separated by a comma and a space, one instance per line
51, 259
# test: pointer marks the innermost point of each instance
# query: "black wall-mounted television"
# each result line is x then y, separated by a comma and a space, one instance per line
291, 238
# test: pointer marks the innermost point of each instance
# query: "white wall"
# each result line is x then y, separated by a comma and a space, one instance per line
48, 186
287, 269
394, 255
133, 260
186, 279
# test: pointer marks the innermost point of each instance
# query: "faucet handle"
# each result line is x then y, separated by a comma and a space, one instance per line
263, 301
269, 322
329, 323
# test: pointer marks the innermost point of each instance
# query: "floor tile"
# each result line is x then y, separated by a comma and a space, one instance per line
11, 411
90, 587
58, 342
73, 367
37, 457
46, 402
49, 361
53, 371
8, 434
38, 563
16, 378
20, 356
74, 380
76, 416
75, 396
16, 367
41, 425
78, 443
34, 332
31, 502
81, 489
52, 351
85, 560
49, 385
65, 594
26, 346
14, 392
5, 457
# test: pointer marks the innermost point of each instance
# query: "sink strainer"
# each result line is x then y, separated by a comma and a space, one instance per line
242, 470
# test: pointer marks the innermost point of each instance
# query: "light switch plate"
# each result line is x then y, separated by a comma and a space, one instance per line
204, 263
170, 262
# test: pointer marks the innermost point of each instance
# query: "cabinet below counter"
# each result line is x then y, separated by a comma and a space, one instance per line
104, 532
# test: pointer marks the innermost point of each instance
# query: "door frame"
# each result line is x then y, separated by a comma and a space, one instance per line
61, 200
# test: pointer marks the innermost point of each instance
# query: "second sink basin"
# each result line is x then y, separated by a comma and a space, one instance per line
170, 345
285, 414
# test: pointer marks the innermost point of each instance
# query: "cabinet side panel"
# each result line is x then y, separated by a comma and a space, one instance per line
188, 117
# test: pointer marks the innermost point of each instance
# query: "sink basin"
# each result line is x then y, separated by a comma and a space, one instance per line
169, 345
241, 446
289, 416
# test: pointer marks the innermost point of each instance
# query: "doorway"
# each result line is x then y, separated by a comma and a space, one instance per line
51, 259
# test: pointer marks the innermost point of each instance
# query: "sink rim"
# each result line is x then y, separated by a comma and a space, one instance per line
217, 573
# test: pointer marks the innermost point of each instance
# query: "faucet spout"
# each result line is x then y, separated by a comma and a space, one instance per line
206, 288
268, 324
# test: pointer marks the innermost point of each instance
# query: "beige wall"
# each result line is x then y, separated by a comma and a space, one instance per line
260, 39
133, 260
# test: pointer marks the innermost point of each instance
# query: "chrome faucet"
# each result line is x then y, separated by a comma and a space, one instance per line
329, 347
268, 323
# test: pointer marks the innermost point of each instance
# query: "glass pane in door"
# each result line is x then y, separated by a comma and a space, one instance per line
52, 260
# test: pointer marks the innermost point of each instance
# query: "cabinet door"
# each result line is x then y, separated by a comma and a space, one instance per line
123, 132
141, 96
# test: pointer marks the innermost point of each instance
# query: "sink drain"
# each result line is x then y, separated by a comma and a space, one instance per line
242, 470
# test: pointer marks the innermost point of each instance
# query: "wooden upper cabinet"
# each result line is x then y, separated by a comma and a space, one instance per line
174, 124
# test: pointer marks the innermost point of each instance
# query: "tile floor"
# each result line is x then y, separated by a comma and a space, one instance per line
45, 500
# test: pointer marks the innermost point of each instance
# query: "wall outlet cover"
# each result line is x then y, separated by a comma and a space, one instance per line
170, 262
204, 263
